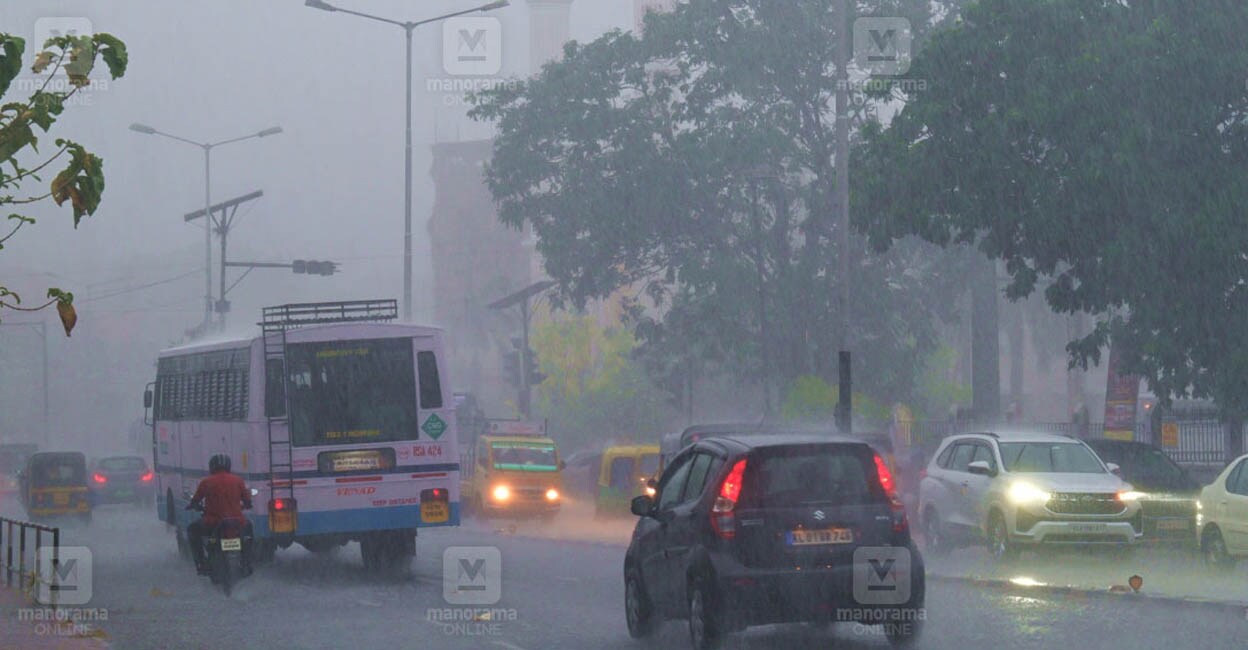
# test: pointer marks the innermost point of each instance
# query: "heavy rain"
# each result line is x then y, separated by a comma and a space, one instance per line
563, 324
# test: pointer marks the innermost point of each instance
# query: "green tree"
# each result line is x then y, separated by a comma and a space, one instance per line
1101, 146
594, 391
80, 181
696, 160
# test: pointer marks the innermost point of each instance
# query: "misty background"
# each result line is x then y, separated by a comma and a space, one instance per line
332, 183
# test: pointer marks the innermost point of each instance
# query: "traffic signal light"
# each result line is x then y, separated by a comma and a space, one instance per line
530, 363
511, 367
313, 267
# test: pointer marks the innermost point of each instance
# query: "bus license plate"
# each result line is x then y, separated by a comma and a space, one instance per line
822, 536
434, 512
232, 544
60, 499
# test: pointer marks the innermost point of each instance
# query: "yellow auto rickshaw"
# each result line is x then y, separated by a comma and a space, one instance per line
54, 484
622, 475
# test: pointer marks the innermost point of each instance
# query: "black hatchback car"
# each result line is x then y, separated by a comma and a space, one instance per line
776, 528
1167, 495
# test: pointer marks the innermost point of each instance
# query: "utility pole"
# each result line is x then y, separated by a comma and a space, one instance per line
221, 224
844, 50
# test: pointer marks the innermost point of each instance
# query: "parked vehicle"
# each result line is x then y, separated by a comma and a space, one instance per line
1222, 517
345, 426
1024, 490
122, 479
760, 529
517, 475
12, 459
623, 473
54, 484
1168, 495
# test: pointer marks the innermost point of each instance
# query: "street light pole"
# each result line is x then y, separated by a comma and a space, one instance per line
207, 148
408, 27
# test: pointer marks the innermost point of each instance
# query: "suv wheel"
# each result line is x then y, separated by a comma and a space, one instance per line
704, 629
637, 610
935, 541
999, 545
1213, 549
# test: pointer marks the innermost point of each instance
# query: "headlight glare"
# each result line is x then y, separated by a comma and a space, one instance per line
1024, 492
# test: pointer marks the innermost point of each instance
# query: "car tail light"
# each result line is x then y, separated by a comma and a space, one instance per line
723, 517
900, 523
147, 477
99, 478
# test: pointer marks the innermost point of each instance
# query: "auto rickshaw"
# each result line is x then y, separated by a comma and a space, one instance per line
54, 484
623, 474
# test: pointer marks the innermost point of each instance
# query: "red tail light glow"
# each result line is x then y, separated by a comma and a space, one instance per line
886, 476
99, 478
279, 504
900, 523
723, 519
147, 477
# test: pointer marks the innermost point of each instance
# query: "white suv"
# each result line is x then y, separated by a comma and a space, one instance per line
1013, 490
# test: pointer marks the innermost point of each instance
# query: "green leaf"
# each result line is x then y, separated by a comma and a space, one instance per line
113, 51
11, 50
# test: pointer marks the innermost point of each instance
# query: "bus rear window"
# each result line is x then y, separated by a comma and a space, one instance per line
352, 392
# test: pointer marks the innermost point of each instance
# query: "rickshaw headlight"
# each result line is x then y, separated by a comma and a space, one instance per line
552, 494
501, 493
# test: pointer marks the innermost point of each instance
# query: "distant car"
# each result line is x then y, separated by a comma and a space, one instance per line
1167, 494
122, 479
773, 528
12, 459
1222, 517
1024, 490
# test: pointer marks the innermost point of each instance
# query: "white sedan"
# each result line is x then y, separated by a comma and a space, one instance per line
1222, 516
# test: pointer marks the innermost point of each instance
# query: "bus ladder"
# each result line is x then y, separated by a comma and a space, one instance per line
281, 453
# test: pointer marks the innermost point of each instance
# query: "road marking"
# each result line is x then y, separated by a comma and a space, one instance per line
504, 644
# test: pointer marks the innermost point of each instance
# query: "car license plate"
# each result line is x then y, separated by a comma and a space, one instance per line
124, 493
820, 536
1088, 528
232, 544
60, 499
434, 512
1172, 524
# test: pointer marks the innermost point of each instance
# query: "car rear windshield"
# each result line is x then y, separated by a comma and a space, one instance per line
122, 464
1065, 457
810, 474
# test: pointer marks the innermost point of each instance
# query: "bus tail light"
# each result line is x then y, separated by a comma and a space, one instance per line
99, 478
283, 516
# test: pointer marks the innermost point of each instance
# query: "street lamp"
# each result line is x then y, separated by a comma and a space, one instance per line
407, 26
207, 147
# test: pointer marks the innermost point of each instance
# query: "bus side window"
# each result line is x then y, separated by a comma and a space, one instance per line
430, 384
274, 389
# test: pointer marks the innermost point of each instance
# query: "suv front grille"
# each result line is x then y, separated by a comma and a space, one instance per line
1085, 503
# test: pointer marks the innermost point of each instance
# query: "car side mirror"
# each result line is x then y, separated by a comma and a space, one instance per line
1114, 469
980, 467
642, 506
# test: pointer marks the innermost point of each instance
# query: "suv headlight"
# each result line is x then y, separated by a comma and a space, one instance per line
1131, 495
1023, 492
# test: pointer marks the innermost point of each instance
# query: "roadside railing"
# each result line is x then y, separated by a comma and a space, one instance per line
21, 546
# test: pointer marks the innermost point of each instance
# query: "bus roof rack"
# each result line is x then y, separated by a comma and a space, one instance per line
283, 317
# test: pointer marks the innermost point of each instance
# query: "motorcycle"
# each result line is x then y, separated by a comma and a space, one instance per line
227, 548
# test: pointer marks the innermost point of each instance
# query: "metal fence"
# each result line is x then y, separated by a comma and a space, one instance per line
1200, 442
20, 545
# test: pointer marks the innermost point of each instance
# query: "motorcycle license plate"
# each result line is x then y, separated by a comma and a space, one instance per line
234, 544
823, 536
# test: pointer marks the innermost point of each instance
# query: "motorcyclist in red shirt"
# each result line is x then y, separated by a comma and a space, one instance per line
221, 495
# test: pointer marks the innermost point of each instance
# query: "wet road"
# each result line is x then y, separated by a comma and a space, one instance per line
556, 594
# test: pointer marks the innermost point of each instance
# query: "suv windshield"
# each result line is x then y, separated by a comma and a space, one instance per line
1152, 468
812, 474
525, 456
1066, 457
